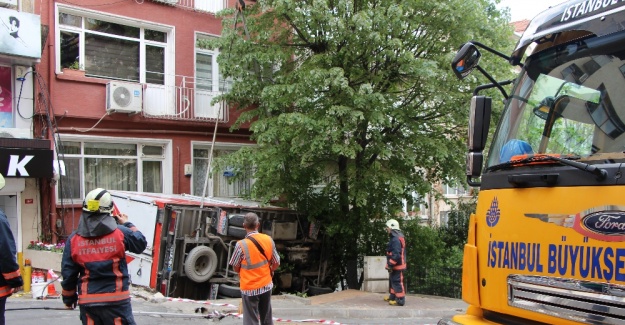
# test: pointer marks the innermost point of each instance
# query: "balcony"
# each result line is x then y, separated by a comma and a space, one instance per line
187, 101
211, 6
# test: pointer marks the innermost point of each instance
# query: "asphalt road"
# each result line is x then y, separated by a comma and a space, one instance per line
51, 312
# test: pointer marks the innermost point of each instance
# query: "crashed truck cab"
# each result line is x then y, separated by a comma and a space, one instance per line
191, 240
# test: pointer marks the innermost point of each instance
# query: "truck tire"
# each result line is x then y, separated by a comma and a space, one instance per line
236, 220
237, 232
315, 291
229, 291
200, 264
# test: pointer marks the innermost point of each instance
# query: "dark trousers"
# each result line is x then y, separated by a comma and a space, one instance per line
257, 309
396, 286
107, 315
3, 304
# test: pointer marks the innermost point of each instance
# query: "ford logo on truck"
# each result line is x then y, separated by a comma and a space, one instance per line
605, 222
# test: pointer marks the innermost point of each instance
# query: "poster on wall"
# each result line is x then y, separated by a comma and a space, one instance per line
6, 104
20, 34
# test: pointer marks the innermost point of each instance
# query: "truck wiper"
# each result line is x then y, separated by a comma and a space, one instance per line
600, 173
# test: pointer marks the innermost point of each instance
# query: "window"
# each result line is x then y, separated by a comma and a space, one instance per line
110, 165
209, 5
111, 47
450, 190
444, 218
208, 80
222, 185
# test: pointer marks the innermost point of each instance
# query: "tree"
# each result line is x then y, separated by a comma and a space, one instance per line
356, 95
454, 233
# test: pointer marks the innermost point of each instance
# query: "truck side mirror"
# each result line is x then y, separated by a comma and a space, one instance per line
465, 60
474, 164
479, 122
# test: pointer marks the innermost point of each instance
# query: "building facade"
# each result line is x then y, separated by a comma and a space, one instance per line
122, 94
25, 160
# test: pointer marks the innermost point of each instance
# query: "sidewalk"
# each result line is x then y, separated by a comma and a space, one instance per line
348, 304
345, 307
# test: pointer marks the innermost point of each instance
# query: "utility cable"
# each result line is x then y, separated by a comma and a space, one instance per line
93, 127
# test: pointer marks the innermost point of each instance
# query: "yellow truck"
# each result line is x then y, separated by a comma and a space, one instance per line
546, 244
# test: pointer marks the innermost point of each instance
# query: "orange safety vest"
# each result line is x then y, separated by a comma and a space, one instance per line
255, 272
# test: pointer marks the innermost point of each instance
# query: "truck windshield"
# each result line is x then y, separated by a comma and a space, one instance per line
568, 100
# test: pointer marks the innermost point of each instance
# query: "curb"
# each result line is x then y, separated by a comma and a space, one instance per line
393, 312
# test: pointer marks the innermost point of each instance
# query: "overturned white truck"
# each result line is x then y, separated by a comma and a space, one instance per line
191, 239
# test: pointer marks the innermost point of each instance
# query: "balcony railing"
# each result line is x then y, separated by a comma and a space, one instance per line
199, 5
188, 101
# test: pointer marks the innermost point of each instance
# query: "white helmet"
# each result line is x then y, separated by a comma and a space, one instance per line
393, 224
98, 200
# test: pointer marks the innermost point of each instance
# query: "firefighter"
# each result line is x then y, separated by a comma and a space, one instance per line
395, 264
9, 269
94, 269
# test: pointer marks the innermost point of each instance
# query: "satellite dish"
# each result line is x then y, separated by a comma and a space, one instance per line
2, 182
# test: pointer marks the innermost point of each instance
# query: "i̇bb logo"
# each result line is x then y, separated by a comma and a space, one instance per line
493, 214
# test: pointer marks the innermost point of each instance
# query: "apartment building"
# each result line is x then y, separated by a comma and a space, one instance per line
121, 94
25, 160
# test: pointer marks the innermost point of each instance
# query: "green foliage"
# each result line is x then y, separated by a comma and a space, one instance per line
425, 248
285, 267
454, 234
75, 66
356, 95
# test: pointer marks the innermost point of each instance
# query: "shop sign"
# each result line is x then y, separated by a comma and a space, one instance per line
20, 34
26, 162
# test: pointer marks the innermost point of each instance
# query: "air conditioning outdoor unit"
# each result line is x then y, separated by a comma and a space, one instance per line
123, 97
9, 3
169, 2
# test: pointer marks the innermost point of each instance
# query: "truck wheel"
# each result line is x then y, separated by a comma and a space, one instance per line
315, 291
229, 291
236, 220
200, 264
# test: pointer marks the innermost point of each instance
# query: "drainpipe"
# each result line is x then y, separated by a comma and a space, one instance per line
51, 72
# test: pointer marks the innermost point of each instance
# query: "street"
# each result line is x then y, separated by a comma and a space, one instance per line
51, 312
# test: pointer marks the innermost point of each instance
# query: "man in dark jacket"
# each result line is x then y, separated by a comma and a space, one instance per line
9, 269
396, 264
94, 269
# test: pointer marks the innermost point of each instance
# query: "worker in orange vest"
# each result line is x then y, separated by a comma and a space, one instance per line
10, 277
255, 258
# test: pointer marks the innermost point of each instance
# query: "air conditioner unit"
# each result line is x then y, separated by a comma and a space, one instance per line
123, 97
8, 3
169, 2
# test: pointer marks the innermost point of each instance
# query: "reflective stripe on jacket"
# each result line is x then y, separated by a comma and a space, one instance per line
255, 272
103, 269
9, 269
396, 251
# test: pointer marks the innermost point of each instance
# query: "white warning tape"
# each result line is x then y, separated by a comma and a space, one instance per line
205, 302
216, 313
317, 321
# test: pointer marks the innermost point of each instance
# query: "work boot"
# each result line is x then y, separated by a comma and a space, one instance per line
398, 302
389, 298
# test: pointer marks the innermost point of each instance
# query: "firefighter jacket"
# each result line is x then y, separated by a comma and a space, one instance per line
9, 269
396, 251
255, 268
94, 260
